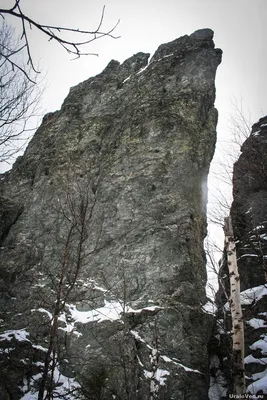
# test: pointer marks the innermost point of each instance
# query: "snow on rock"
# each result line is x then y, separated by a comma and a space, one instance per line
210, 308
138, 337
126, 79
160, 375
258, 227
19, 334
257, 323
139, 310
111, 311
142, 69
253, 294
252, 360
260, 344
260, 384
38, 347
30, 396
248, 255
43, 310
187, 369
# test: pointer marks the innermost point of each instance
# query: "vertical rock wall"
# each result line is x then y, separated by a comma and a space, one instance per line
102, 228
249, 213
249, 217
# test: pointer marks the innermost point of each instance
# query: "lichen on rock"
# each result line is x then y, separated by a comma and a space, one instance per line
104, 221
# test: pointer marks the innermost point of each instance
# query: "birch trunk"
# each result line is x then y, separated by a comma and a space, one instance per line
236, 311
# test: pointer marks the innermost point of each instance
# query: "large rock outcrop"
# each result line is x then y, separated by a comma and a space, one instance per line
102, 226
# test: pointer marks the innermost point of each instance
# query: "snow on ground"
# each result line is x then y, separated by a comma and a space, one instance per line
218, 383
65, 387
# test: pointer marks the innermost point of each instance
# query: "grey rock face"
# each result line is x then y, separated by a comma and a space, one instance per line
249, 217
103, 221
249, 211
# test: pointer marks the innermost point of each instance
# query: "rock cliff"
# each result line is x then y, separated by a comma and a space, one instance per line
102, 226
249, 218
249, 214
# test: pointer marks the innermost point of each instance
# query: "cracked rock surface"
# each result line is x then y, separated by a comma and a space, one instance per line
105, 214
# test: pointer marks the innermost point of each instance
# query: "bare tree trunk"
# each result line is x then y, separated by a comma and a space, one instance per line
54, 321
236, 311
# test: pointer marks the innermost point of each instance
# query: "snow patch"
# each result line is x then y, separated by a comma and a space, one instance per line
138, 337
253, 294
252, 360
111, 311
126, 79
260, 344
187, 369
65, 387
256, 133
38, 347
247, 255
209, 308
160, 375
18, 334
257, 323
260, 384
43, 310
142, 69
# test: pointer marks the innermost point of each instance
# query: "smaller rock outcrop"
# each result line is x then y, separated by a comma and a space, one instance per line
249, 217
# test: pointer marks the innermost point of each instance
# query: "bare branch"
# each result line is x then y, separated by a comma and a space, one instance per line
19, 96
53, 32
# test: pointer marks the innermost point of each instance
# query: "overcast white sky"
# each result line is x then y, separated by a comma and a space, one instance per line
239, 27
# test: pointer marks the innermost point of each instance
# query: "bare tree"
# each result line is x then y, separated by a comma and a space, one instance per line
19, 98
236, 311
74, 47
62, 267
18, 71
230, 318
237, 130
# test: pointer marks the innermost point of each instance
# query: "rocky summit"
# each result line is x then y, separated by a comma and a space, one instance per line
102, 226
